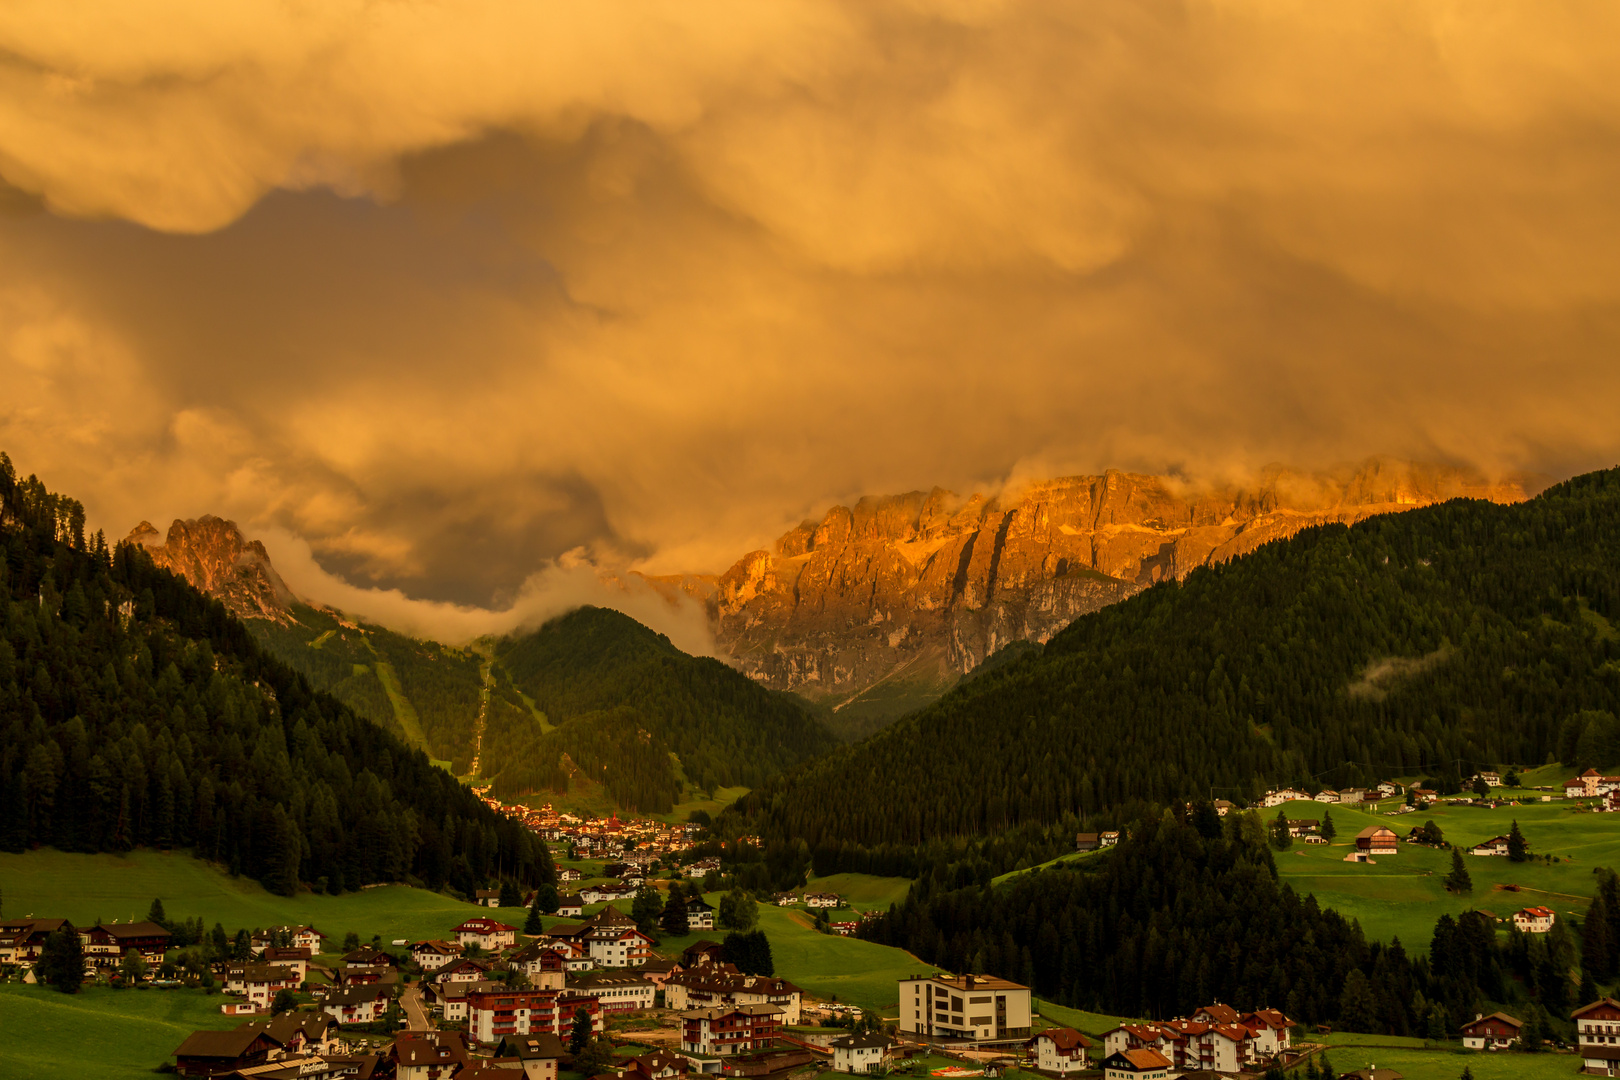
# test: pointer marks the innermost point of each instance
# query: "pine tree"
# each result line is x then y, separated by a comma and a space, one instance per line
646, 908
547, 900
532, 925
1358, 1006
1280, 835
1458, 881
61, 961
1518, 850
1329, 830
581, 1035
511, 895
673, 919
1467, 1074
156, 914
1597, 951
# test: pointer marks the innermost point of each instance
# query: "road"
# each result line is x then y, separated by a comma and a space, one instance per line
415, 1012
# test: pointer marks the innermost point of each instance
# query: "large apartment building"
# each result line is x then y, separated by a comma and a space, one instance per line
978, 1007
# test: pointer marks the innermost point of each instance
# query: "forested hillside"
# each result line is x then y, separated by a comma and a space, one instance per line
435, 688
1419, 643
635, 713
1189, 911
134, 710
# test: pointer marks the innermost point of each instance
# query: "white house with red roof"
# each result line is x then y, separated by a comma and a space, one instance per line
489, 934
1534, 920
1059, 1050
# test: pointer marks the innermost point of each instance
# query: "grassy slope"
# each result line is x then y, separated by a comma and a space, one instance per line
48, 1036
85, 887
1449, 1064
1402, 896
862, 891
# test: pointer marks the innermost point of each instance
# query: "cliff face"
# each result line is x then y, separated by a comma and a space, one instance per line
922, 587
210, 553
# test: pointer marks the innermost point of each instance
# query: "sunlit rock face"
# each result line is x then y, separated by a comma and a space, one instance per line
928, 584
210, 553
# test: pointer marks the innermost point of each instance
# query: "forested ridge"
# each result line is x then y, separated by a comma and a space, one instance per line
1188, 910
135, 710
1466, 632
637, 714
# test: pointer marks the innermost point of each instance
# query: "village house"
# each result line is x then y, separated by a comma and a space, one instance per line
1109, 838
607, 891
1327, 795
306, 937
710, 865
1277, 798
784, 899
1136, 1065
487, 934
1611, 801
215, 1053
1497, 1031
21, 940
823, 900
1534, 920
1377, 840
542, 962
702, 951
365, 976
433, 955
699, 914
570, 906
260, 983
964, 1007
1059, 1051
466, 969
610, 938
1496, 845
288, 956
428, 1055
1491, 779
1198, 1043
868, 1053
1597, 1037
1086, 841
487, 898
1353, 796
569, 874
1388, 788
658, 1065
737, 1030
1270, 1030
495, 1011
357, 1004
366, 957
105, 945
715, 986
537, 1054
1222, 807
844, 929
1306, 826
449, 998
616, 993
297, 1032
658, 970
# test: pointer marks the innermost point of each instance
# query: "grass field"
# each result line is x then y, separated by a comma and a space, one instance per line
851, 970
83, 888
1449, 1064
1088, 1022
1401, 895
862, 891
107, 1034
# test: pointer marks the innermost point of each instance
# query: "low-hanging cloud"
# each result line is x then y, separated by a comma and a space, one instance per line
452, 289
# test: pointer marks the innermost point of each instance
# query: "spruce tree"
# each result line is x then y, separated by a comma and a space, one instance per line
532, 925
1358, 1006
547, 900
580, 1037
1329, 830
1518, 850
673, 919
1458, 881
511, 895
156, 914
1597, 950
61, 961
646, 908
1279, 831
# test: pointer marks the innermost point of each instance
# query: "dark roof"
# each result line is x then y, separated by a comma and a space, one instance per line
1066, 1038
134, 929
863, 1042
542, 1045
1504, 1017
220, 1044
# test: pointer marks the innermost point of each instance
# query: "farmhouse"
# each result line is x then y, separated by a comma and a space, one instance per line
1497, 1031
1327, 795
964, 1007
105, 945
487, 934
1300, 827
1277, 798
1109, 839
22, 939
298, 1032
306, 937
1597, 1034
1377, 840
1534, 920
699, 914
823, 900
868, 1053
213, 1053
1059, 1050
570, 906
488, 898
658, 1065
1496, 845
428, 1055
260, 983
737, 1030
570, 874
433, 955
1136, 1065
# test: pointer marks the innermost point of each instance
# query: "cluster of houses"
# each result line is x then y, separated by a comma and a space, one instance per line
1216, 1038
593, 837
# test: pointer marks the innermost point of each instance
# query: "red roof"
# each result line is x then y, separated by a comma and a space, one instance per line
1538, 912
1145, 1059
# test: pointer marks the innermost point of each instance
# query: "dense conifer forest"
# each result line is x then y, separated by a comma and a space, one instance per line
635, 713
1188, 910
1420, 643
134, 710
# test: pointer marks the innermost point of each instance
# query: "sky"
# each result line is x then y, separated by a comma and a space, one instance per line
450, 299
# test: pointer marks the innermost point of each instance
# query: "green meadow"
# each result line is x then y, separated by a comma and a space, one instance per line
862, 892
1449, 1064
1401, 895
107, 1034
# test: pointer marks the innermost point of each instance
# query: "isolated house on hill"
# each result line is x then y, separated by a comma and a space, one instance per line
1497, 1031
1534, 920
1377, 840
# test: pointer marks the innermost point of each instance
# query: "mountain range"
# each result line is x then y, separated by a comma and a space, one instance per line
879, 608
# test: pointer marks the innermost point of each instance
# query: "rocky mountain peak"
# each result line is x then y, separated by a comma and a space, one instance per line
212, 554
